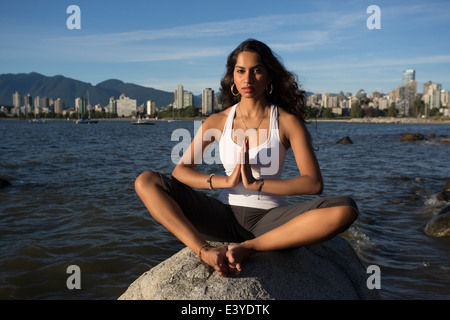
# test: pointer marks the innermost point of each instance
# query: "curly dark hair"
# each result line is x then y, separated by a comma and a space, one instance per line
286, 92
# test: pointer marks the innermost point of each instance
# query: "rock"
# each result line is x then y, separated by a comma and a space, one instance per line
447, 186
442, 196
410, 137
444, 140
345, 140
439, 226
4, 183
330, 270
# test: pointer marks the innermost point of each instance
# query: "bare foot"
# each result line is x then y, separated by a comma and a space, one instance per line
216, 258
237, 254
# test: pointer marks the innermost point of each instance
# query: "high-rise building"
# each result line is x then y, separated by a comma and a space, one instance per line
151, 107
188, 99
112, 105
445, 97
431, 95
208, 101
45, 104
59, 106
37, 105
178, 97
125, 106
408, 75
80, 105
405, 96
217, 103
17, 99
28, 101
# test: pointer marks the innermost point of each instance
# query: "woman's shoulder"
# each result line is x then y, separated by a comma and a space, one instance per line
287, 119
217, 120
289, 125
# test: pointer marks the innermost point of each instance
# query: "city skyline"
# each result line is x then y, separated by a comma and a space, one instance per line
403, 97
160, 45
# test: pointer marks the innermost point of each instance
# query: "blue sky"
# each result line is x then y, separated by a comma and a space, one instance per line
160, 44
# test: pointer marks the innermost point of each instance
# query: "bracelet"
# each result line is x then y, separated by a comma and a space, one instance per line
210, 182
261, 183
200, 251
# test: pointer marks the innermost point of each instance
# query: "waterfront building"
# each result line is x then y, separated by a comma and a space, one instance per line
150, 107
59, 106
313, 100
324, 101
392, 96
37, 105
405, 96
329, 101
28, 103
126, 106
207, 101
383, 103
80, 105
45, 104
178, 98
188, 99
431, 95
445, 97
112, 105
408, 75
217, 103
17, 99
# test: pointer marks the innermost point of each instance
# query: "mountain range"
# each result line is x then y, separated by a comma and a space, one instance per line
68, 90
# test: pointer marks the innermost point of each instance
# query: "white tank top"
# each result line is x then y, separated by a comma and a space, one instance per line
266, 160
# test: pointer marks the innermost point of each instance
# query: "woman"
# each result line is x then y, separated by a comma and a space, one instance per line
263, 116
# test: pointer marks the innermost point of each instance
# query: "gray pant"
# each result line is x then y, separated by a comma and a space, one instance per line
221, 222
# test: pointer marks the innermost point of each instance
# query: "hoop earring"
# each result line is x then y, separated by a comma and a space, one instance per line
232, 91
271, 88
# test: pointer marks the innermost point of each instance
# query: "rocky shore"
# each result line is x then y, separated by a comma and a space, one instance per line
399, 120
330, 270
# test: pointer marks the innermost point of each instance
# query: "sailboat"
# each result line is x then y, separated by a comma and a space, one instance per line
36, 120
88, 119
142, 122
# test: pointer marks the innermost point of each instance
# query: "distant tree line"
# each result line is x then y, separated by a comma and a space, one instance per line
358, 110
361, 110
187, 112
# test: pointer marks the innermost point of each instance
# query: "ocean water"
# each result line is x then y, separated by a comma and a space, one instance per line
72, 202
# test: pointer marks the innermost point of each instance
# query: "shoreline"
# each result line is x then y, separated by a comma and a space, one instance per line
352, 120
388, 120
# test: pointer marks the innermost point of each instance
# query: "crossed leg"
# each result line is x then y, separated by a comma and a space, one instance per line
166, 211
311, 227
308, 228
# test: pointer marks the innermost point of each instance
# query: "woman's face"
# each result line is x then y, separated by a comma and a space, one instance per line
250, 76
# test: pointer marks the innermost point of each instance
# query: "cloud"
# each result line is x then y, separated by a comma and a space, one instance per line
205, 39
201, 30
348, 63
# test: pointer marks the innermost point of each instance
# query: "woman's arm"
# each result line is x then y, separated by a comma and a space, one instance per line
185, 169
294, 134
